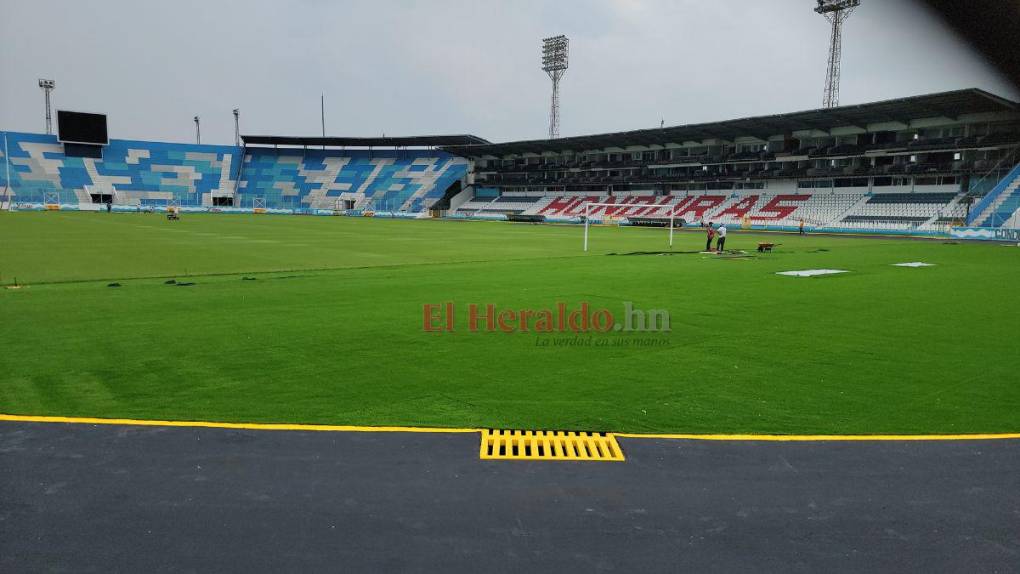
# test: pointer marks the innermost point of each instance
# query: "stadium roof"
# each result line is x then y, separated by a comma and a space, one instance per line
944, 104
409, 141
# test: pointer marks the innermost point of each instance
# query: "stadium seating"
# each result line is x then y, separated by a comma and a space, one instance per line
721, 207
911, 198
139, 173
783, 210
409, 182
134, 172
923, 210
930, 211
391, 180
474, 205
509, 204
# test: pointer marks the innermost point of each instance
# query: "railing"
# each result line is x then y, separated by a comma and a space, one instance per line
978, 210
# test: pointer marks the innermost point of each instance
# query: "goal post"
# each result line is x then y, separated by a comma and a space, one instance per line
593, 207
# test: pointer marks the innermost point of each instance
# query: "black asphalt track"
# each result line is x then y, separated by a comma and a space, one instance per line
82, 498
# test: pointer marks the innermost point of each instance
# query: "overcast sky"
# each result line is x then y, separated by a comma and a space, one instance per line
405, 67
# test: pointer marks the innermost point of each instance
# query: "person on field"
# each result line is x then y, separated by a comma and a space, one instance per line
802, 227
711, 234
722, 238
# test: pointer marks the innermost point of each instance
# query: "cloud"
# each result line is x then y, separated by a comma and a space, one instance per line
456, 66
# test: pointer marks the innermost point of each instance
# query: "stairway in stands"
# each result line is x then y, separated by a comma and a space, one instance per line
947, 216
859, 203
998, 206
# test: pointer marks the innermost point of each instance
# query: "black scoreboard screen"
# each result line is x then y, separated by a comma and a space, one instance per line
83, 128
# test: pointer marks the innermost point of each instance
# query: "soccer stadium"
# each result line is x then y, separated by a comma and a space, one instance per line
781, 342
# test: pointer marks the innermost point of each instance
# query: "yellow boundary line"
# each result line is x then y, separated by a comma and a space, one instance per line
357, 428
221, 425
823, 437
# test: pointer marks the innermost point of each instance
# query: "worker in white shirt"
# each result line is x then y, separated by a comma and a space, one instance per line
721, 232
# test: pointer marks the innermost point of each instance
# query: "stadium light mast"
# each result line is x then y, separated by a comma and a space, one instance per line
237, 127
836, 12
198, 131
47, 87
554, 62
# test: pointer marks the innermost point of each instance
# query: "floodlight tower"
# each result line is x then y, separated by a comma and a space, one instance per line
47, 87
554, 62
836, 12
198, 130
237, 127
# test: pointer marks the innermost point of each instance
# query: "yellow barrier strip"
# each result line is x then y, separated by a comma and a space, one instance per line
223, 425
823, 437
572, 439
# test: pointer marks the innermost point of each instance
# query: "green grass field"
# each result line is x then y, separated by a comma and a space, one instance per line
330, 329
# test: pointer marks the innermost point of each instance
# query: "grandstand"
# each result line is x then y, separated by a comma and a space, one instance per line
135, 173
392, 181
916, 165
922, 165
408, 176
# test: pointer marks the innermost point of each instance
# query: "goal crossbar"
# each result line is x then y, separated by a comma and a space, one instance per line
623, 208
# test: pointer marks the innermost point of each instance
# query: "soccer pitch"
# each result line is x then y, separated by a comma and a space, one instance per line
320, 320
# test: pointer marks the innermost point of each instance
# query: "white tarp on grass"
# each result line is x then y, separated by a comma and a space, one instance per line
811, 272
913, 264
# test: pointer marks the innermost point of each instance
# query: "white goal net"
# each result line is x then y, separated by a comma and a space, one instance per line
613, 214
